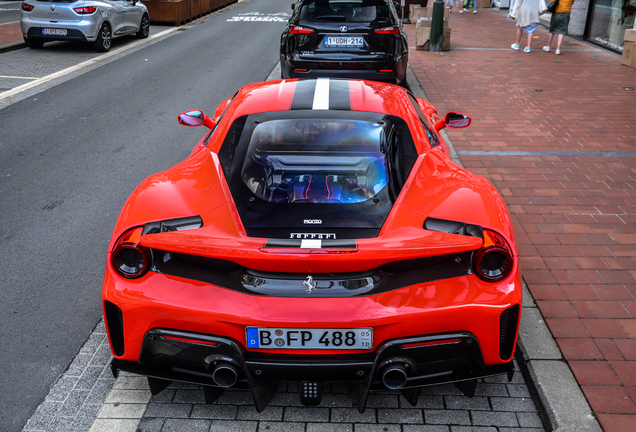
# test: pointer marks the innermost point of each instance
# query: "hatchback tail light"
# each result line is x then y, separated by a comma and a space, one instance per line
493, 261
85, 10
388, 30
129, 258
300, 30
27, 7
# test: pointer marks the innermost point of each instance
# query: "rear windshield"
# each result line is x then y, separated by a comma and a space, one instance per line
345, 168
315, 160
344, 10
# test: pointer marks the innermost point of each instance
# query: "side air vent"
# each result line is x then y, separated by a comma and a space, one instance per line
507, 331
179, 224
453, 227
115, 323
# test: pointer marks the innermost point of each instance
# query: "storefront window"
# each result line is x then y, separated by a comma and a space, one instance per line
610, 19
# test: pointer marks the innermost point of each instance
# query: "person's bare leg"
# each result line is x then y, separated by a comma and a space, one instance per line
550, 35
518, 35
529, 40
559, 41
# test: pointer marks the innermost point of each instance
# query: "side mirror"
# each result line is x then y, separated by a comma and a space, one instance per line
452, 120
293, 6
195, 118
398, 6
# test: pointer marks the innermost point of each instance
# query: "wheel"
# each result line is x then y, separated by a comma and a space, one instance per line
34, 43
104, 39
144, 27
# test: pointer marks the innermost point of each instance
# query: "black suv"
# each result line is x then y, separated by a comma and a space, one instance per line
344, 39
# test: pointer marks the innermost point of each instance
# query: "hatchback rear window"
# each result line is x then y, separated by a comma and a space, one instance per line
344, 10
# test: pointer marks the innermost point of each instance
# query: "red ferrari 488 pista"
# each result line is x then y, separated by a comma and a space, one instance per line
318, 232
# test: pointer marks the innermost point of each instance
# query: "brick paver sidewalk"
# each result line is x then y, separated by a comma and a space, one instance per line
575, 214
10, 33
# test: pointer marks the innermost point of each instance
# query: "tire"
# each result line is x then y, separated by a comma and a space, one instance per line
144, 27
34, 43
104, 39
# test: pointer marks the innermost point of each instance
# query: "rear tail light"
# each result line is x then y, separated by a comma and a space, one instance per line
493, 261
129, 258
388, 30
27, 7
300, 30
85, 10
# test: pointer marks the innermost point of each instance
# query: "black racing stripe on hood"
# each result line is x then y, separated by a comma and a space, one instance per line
304, 95
339, 97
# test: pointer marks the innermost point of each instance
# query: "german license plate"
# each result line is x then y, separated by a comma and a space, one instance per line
54, 32
343, 41
282, 338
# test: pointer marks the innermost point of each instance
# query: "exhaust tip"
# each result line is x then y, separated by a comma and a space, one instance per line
394, 376
225, 375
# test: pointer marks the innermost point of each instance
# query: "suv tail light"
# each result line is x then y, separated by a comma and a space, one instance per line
388, 30
27, 7
129, 258
493, 261
300, 30
85, 10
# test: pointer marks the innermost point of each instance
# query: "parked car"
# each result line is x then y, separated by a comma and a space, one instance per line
318, 232
95, 21
344, 38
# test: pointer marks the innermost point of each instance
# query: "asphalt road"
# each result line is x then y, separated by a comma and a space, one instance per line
70, 157
9, 11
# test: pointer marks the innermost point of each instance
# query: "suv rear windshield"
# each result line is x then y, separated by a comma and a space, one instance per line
345, 10
343, 167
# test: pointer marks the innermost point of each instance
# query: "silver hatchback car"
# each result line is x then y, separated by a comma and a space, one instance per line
95, 21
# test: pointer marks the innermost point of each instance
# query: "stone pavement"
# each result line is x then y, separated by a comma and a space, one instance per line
572, 193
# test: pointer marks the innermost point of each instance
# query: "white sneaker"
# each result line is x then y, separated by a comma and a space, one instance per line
475, 11
515, 46
461, 11
546, 48
557, 52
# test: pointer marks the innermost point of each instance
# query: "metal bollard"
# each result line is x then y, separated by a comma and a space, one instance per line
437, 27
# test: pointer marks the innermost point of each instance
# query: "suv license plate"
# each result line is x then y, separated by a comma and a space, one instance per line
54, 32
343, 41
277, 338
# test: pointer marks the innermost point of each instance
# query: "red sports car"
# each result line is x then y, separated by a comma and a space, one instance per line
318, 232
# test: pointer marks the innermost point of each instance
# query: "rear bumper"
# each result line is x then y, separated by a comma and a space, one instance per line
337, 73
450, 330
386, 71
84, 30
189, 357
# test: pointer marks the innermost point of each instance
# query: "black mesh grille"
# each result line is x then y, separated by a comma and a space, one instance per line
507, 331
115, 322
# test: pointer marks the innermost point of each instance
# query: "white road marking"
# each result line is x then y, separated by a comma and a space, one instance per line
39, 81
17, 77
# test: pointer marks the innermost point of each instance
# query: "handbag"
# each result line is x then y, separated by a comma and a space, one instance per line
552, 6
